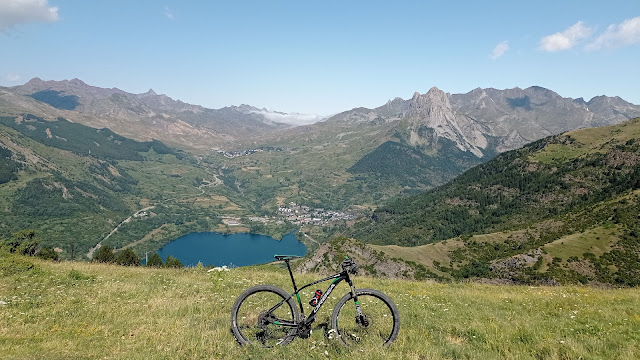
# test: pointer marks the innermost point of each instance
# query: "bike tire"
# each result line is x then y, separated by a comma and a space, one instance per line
247, 311
381, 313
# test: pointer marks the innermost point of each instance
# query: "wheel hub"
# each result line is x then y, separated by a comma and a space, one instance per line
363, 321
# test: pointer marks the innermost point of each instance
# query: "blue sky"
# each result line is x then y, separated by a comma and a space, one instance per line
323, 57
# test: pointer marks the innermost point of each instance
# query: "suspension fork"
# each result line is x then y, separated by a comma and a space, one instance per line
354, 295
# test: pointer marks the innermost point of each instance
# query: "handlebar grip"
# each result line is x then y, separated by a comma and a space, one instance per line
354, 269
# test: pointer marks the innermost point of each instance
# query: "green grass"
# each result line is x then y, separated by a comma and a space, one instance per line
440, 251
588, 141
424, 254
87, 311
602, 137
596, 241
558, 154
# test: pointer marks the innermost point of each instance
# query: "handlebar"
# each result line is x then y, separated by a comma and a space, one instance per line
349, 265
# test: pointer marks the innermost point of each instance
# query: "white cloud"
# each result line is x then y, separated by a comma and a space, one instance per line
617, 35
566, 39
294, 118
11, 78
499, 50
16, 12
168, 13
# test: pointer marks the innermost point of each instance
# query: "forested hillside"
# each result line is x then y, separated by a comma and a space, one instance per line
73, 185
547, 178
564, 208
411, 167
8, 167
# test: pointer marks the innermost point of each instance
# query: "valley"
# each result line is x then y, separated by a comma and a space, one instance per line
443, 174
178, 178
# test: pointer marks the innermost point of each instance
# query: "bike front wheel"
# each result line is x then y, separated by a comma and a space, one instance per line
255, 320
378, 326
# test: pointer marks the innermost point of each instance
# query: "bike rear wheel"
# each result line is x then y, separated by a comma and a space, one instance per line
252, 323
379, 325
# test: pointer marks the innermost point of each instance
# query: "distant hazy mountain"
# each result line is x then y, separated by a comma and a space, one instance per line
483, 122
144, 116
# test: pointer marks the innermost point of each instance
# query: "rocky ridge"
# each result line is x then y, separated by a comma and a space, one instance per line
490, 121
140, 116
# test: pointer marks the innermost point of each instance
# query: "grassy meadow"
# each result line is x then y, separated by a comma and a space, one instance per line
73, 310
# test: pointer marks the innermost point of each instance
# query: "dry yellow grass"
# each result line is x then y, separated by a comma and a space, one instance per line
92, 311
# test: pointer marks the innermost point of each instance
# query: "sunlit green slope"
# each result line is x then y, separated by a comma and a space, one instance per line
86, 311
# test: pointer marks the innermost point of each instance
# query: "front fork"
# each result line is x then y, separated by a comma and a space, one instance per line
360, 318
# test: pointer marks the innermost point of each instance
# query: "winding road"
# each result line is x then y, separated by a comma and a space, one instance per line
99, 245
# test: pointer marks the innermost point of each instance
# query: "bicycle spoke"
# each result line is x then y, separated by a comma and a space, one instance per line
376, 327
256, 325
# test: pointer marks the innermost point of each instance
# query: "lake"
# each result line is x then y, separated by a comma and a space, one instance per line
230, 249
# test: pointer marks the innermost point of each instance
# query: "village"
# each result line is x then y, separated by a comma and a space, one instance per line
300, 214
236, 153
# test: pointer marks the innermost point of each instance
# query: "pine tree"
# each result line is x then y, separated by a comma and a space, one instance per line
155, 261
104, 255
173, 262
127, 257
47, 253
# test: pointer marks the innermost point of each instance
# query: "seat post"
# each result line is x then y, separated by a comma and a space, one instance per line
295, 288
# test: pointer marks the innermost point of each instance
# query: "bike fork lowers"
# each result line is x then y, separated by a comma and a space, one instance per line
360, 319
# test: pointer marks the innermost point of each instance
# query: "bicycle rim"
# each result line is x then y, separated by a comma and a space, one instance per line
255, 325
378, 328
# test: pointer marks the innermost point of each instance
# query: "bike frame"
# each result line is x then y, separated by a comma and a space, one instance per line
337, 278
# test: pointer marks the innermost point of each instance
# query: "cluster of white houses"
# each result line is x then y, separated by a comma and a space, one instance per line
300, 214
235, 153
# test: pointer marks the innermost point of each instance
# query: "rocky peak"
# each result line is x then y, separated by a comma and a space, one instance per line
151, 93
432, 118
34, 81
244, 108
609, 100
434, 105
77, 82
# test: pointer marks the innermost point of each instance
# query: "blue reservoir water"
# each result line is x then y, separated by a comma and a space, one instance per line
230, 249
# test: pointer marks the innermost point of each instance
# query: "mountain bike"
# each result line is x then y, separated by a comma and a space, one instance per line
268, 315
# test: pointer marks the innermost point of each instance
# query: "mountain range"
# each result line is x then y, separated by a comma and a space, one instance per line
431, 138
366, 156
489, 121
483, 122
143, 116
72, 155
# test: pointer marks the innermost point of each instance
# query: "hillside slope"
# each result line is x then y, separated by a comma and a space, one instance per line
582, 182
74, 185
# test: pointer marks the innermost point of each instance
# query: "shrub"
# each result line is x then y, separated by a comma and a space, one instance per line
155, 261
23, 242
11, 264
76, 275
173, 262
104, 255
48, 253
127, 257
